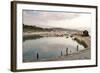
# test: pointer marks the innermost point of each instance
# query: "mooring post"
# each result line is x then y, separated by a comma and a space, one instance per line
66, 51
77, 48
61, 53
37, 56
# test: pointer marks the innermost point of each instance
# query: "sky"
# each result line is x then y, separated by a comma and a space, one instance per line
49, 19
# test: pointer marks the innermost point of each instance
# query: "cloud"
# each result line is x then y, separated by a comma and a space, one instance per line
46, 16
57, 19
57, 15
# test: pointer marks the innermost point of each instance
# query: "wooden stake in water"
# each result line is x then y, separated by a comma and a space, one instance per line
61, 53
77, 48
66, 51
37, 56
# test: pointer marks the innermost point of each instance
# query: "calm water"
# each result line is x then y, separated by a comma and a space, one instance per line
46, 48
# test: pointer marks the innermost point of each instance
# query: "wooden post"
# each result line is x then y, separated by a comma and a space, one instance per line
77, 48
66, 51
61, 53
37, 56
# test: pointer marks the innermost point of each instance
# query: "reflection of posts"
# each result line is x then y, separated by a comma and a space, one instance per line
37, 56
66, 51
77, 48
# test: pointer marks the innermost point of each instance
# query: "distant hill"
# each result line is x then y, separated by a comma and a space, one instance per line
63, 29
34, 28
29, 28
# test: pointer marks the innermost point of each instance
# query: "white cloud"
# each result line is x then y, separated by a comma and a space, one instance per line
57, 19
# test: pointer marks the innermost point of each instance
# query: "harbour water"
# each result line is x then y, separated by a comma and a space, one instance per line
46, 48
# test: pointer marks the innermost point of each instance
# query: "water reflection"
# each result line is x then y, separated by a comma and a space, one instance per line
31, 37
47, 48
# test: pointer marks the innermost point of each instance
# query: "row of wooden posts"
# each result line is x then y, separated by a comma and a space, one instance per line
77, 49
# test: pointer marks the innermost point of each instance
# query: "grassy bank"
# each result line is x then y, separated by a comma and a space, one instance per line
81, 42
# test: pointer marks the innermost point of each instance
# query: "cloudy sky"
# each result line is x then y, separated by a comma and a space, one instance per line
48, 19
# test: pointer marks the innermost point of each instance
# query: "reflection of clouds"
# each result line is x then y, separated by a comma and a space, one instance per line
48, 44
50, 47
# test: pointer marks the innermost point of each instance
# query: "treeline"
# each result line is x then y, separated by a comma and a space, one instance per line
34, 28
